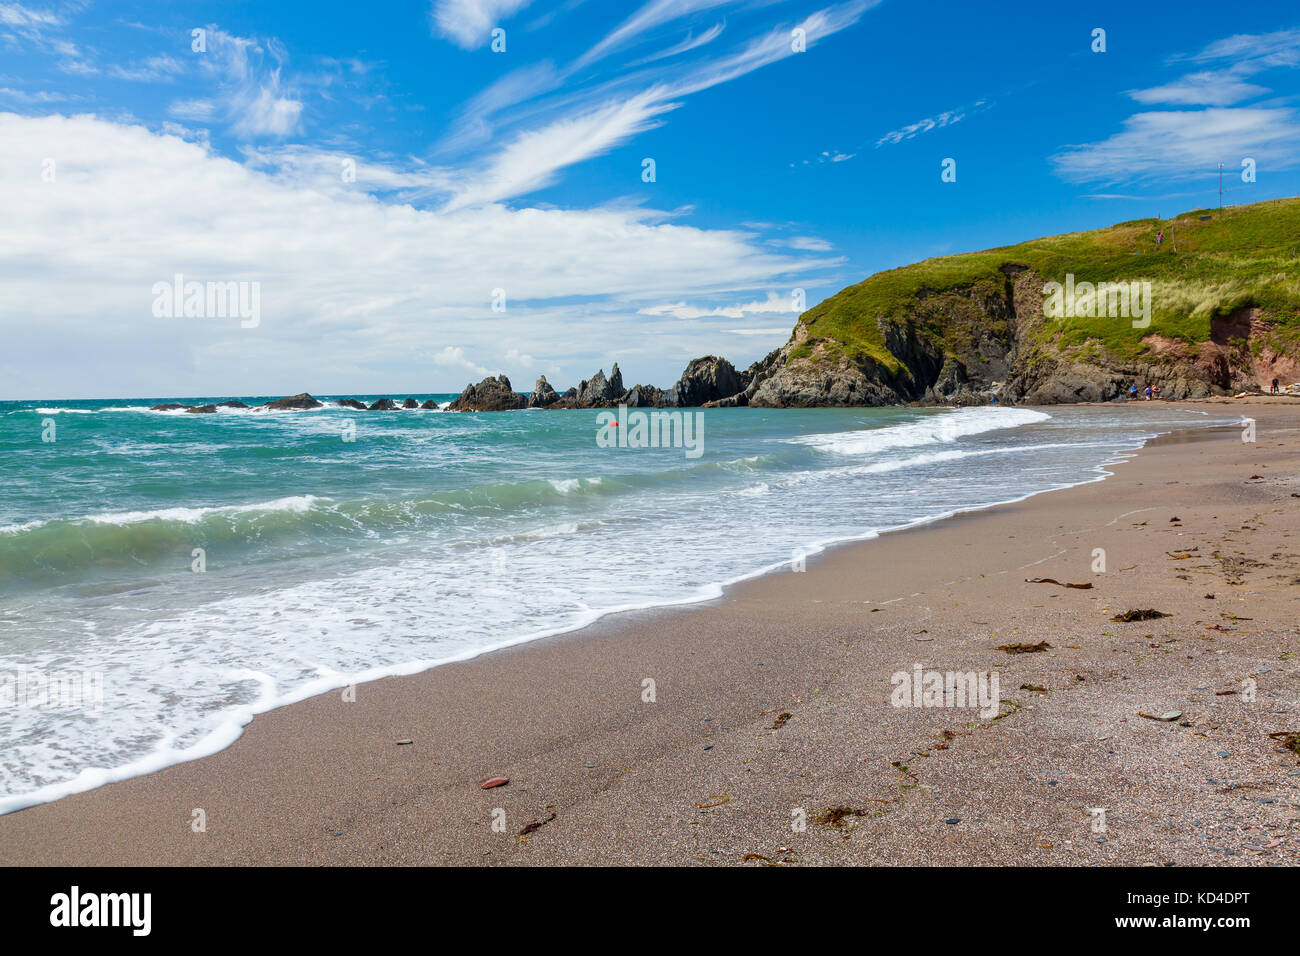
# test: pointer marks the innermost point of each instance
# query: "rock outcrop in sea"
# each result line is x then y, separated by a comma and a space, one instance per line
543, 395
293, 402
493, 394
705, 380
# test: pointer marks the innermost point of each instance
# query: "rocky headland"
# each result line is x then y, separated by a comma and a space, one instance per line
1215, 310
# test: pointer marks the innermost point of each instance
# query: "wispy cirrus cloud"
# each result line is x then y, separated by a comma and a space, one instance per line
650, 15
691, 42
19, 16
1184, 143
43, 30
938, 121
548, 125
1209, 88
35, 97
534, 157
250, 95
155, 69
1253, 50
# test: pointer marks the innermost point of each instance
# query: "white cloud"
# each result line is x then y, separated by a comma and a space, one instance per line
249, 91
469, 23
454, 357
36, 96
773, 304
1255, 51
533, 158
1221, 88
1186, 143
809, 244
356, 293
267, 113
16, 15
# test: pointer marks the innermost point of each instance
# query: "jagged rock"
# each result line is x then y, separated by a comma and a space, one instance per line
568, 400
301, 400
646, 396
351, 403
410, 403
167, 407
489, 395
543, 395
233, 403
813, 383
383, 405
202, 410
706, 379
430, 405
600, 392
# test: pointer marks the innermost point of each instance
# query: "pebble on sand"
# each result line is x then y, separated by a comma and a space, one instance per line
494, 782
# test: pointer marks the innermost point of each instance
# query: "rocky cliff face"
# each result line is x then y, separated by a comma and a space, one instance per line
987, 342
707, 379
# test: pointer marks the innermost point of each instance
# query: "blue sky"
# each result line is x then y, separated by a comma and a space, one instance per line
522, 170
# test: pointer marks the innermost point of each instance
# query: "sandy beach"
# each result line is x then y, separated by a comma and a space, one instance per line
772, 706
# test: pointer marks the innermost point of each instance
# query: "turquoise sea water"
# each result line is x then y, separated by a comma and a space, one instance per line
430, 536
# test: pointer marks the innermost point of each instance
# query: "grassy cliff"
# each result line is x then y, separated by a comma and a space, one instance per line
1212, 263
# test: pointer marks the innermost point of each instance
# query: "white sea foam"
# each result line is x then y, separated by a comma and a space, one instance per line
940, 428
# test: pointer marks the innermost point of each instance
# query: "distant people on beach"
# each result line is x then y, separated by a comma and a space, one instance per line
1148, 393
1156, 390
1133, 392
1273, 390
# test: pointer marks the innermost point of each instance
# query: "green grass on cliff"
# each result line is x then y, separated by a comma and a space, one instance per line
1211, 263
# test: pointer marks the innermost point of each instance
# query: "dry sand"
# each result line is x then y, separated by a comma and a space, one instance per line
704, 775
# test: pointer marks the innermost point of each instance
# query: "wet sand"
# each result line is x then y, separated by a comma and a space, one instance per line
772, 706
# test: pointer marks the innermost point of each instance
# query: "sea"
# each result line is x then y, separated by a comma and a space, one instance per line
166, 576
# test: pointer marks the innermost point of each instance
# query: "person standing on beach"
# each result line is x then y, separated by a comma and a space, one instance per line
1148, 393
1133, 392
1274, 390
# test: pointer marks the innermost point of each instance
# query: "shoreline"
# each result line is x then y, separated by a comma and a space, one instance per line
232, 729
143, 818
